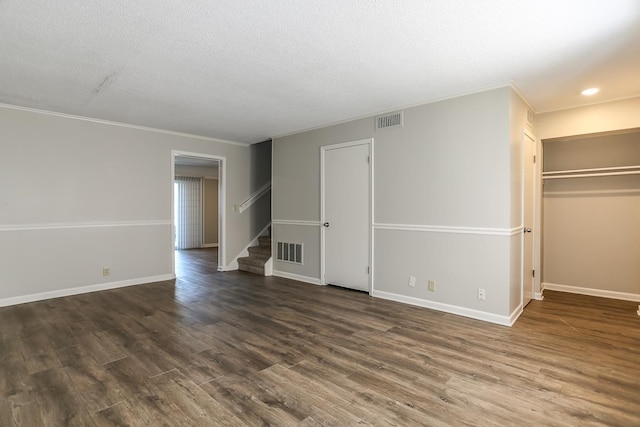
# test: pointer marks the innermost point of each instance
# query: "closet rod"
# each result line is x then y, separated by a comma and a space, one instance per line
587, 175
611, 169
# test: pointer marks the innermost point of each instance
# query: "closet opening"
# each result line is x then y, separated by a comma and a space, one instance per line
591, 214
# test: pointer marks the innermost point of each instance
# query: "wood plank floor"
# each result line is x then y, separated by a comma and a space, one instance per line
227, 349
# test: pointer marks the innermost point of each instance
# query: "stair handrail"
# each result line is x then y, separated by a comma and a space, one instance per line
254, 197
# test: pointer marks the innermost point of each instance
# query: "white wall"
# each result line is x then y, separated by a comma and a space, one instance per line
605, 117
197, 171
79, 195
448, 172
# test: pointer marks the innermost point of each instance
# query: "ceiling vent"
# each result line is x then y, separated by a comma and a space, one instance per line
389, 120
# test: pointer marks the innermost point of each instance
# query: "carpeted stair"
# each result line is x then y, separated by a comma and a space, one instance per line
258, 256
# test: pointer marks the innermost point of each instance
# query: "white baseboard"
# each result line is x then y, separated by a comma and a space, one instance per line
515, 314
453, 309
22, 299
210, 245
538, 296
298, 277
232, 266
592, 292
268, 267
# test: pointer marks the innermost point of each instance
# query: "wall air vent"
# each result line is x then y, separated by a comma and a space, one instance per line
530, 117
389, 120
289, 252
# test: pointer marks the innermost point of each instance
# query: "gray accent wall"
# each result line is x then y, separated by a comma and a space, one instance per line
79, 195
451, 172
309, 237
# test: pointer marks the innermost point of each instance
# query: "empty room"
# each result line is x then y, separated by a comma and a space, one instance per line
297, 213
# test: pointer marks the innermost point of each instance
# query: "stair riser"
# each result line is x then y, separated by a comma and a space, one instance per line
252, 261
258, 251
251, 269
264, 241
256, 260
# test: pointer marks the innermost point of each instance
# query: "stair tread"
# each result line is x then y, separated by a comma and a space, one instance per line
258, 262
261, 247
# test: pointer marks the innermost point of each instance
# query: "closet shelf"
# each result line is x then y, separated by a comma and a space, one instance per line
595, 172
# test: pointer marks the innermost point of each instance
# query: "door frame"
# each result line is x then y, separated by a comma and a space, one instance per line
537, 238
222, 200
323, 150
535, 207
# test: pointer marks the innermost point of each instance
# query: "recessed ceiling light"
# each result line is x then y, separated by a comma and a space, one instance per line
590, 91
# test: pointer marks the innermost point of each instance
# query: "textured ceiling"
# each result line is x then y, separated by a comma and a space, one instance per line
249, 70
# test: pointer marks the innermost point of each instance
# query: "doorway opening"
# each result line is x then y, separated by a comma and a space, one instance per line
197, 209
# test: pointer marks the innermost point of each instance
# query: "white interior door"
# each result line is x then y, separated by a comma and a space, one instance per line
528, 179
346, 215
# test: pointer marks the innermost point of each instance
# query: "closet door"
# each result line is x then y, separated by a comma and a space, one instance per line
346, 214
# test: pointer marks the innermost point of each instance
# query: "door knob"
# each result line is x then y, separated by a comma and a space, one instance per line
326, 224
527, 230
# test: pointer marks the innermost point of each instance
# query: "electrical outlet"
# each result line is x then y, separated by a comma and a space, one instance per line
482, 294
412, 281
106, 271
432, 285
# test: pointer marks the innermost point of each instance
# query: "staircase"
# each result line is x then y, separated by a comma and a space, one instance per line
258, 256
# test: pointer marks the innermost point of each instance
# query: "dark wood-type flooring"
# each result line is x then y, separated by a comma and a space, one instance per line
227, 349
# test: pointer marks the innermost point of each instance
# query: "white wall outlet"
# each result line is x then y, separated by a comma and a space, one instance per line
432, 285
106, 271
412, 281
482, 294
